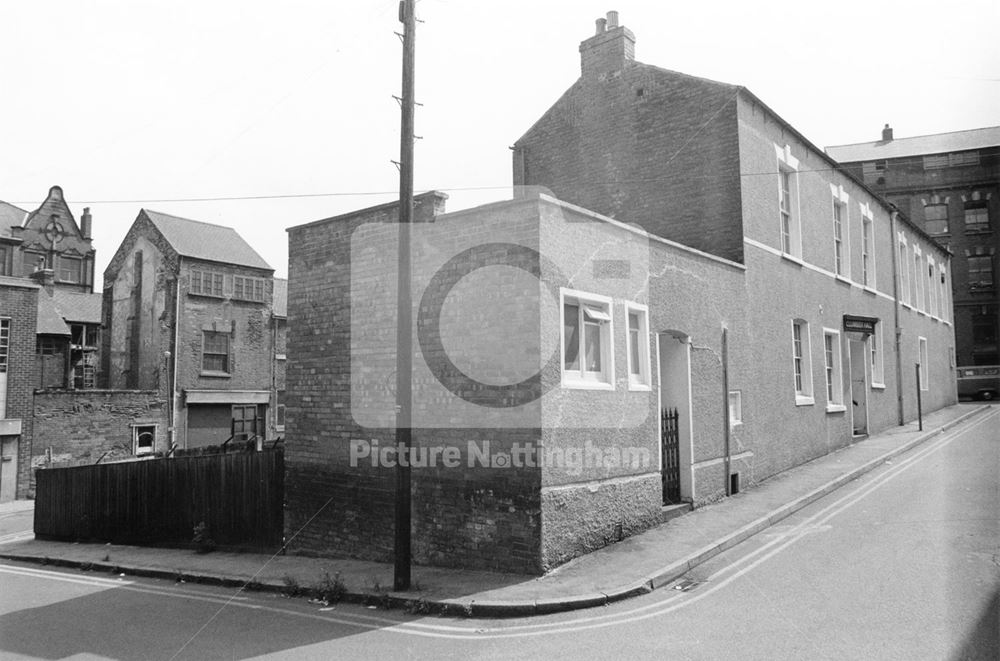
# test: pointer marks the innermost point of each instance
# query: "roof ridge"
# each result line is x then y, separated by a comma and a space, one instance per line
189, 220
914, 137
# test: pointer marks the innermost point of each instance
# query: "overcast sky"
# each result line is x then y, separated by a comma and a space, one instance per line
128, 101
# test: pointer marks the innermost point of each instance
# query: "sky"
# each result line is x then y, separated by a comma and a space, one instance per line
143, 104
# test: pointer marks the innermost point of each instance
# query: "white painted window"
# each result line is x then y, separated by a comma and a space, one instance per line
915, 293
945, 302
841, 241
867, 247
637, 348
801, 363
932, 290
587, 353
4, 362
735, 408
143, 439
790, 224
876, 362
904, 267
922, 357
833, 370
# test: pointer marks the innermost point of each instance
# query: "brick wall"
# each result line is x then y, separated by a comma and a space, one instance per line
79, 427
20, 304
645, 146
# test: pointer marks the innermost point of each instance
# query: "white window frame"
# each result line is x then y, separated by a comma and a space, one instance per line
842, 243
833, 373
735, 408
867, 247
932, 291
945, 303
789, 165
582, 379
136, 426
922, 358
803, 392
917, 293
876, 357
640, 381
904, 268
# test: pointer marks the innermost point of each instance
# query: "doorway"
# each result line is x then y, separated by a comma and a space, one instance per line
674, 363
8, 468
859, 387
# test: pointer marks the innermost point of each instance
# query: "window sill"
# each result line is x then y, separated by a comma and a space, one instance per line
870, 290
218, 297
801, 400
587, 385
835, 408
215, 375
842, 279
792, 258
639, 387
878, 386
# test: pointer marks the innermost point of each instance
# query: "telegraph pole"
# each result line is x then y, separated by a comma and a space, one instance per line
404, 341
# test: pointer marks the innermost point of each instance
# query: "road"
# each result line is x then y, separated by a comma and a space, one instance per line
903, 563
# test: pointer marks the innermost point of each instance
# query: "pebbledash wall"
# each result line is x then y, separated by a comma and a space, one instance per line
526, 519
76, 427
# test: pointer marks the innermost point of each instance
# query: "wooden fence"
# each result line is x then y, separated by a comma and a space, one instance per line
238, 497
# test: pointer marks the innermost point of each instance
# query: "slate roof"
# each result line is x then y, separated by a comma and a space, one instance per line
214, 243
78, 306
10, 216
50, 321
920, 145
280, 297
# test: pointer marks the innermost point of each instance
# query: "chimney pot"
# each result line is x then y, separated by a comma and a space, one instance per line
887, 133
601, 25
612, 19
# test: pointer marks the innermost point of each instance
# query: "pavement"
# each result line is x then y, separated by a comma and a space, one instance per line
636, 565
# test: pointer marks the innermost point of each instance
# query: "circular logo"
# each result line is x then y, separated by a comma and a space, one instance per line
429, 325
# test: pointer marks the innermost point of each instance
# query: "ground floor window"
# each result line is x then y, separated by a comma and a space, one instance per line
922, 357
832, 361
587, 341
143, 439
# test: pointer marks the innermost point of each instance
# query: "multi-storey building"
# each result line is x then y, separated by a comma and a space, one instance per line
18, 316
949, 184
701, 263
189, 313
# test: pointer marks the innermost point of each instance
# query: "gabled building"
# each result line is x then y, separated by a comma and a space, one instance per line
18, 325
189, 313
949, 184
716, 298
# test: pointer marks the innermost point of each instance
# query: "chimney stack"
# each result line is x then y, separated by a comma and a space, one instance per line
86, 223
609, 50
887, 134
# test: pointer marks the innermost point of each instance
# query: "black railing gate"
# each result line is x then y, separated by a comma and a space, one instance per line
670, 443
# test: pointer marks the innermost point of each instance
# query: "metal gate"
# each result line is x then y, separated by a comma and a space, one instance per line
670, 445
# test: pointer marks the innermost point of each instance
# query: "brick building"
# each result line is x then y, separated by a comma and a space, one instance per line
949, 184
189, 314
632, 280
18, 317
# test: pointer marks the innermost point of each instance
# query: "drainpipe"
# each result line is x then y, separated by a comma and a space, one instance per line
725, 408
895, 313
172, 378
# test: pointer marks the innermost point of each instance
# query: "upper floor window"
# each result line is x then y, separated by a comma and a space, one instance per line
977, 217
248, 289
587, 350
917, 279
206, 283
70, 269
215, 352
6, 259
931, 290
4, 344
789, 223
801, 364
867, 248
904, 267
958, 159
945, 305
839, 249
980, 272
936, 219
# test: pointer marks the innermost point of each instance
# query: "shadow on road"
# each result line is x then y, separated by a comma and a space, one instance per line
983, 641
